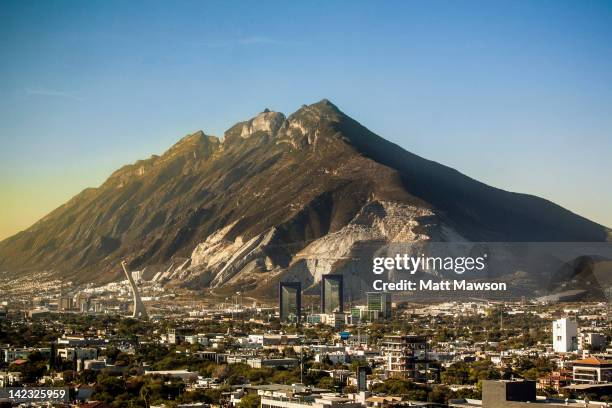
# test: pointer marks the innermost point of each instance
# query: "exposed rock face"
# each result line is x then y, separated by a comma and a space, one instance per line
266, 121
278, 197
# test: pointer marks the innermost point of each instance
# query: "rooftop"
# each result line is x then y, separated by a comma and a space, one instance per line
593, 361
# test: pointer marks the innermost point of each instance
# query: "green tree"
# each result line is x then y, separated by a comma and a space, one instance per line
249, 401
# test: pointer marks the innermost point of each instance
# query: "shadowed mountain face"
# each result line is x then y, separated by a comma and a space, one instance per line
589, 275
275, 193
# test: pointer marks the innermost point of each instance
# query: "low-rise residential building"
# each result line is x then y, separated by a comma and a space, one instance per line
201, 339
9, 378
299, 396
79, 353
555, 380
518, 394
9, 355
272, 362
275, 340
336, 357
592, 371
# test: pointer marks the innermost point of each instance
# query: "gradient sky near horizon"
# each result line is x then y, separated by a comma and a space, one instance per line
517, 94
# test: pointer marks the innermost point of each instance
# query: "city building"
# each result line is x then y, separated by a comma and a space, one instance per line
272, 362
406, 357
9, 355
314, 319
336, 320
315, 401
197, 339
79, 341
592, 371
71, 353
518, 394
332, 294
277, 341
358, 314
99, 365
335, 357
565, 335
9, 379
66, 303
82, 302
290, 301
173, 336
299, 396
591, 341
556, 380
39, 313
379, 302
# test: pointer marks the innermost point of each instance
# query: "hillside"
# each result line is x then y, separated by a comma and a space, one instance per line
277, 196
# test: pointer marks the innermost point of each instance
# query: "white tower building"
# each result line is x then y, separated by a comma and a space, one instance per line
139, 309
565, 335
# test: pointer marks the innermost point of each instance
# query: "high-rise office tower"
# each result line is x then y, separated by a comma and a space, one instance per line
290, 301
379, 302
332, 294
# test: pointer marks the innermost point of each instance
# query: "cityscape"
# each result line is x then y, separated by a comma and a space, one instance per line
305, 204
133, 343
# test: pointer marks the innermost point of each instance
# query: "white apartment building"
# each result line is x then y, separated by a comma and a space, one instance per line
335, 357
592, 371
197, 339
308, 401
565, 335
86, 353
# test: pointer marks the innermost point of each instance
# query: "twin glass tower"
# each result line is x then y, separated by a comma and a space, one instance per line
290, 297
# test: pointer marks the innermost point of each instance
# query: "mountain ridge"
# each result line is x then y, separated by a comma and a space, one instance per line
276, 181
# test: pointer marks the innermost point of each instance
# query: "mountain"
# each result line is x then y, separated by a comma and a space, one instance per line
590, 275
278, 197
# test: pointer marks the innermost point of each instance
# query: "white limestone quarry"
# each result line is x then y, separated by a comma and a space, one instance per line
379, 223
226, 258
181, 271
217, 249
246, 253
378, 228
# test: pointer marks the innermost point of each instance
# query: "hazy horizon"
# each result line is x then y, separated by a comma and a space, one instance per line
516, 95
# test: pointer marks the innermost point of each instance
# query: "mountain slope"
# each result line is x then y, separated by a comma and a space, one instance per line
277, 195
482, 212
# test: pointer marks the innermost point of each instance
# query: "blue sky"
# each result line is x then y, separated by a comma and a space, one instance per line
516, 94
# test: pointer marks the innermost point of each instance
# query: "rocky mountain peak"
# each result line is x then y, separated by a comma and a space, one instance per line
267, 121
197, 144
323, 109
325, 105
300, 123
